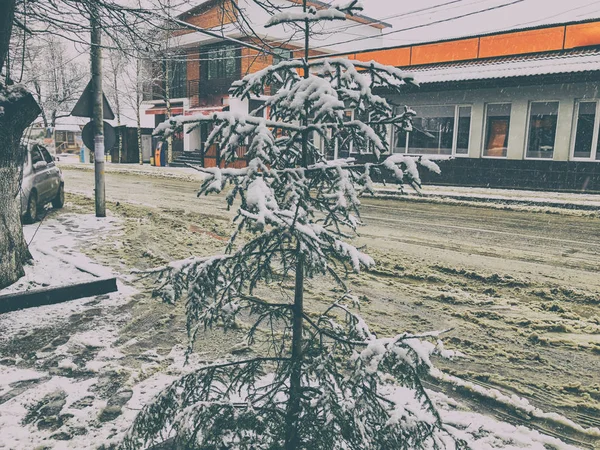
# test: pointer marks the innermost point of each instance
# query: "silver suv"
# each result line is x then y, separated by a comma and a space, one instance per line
42, 183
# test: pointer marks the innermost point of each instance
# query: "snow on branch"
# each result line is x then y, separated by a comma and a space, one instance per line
311, 15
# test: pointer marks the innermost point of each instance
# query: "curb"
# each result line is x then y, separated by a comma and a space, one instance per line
485, 201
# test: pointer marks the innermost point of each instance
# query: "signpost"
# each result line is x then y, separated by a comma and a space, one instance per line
110, 136
93, 104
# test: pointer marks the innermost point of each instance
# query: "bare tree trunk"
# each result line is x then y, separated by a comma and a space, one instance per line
7, 12
168, 103
118, 105
19, 112
138, 101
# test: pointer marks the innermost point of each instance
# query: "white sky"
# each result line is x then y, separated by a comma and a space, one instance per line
525, 13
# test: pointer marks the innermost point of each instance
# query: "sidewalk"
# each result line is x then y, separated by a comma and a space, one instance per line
562, 200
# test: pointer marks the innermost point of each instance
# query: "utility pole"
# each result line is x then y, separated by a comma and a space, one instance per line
98, 114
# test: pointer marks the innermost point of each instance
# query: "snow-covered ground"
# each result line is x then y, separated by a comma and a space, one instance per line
518, 198
79, 389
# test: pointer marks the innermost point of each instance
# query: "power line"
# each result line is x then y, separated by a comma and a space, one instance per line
408, 13
449, 19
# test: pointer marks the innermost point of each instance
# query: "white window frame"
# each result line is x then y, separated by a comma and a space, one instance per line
485, 124
526, 147
455, 140
595, 135
454, 134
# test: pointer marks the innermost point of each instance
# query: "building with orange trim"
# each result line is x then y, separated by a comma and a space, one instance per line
519, 108
202, 68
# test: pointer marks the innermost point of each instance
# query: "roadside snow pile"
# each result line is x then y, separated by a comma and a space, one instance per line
52, 244
484, 433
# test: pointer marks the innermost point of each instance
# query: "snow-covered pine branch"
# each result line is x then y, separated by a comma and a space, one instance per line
312, 14
319, 380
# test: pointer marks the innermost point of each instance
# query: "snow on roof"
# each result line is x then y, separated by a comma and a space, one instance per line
509, 67
71, 123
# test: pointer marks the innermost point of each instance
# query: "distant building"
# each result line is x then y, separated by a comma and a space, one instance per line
519, 108
201, 74
63, 138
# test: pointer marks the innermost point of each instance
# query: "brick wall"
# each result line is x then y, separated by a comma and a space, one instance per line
253, 62
222, 13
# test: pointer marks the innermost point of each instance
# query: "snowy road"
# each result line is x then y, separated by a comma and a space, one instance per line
523, 243
520, 289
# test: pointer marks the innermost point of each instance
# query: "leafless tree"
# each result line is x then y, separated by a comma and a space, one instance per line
126, 26
56, 80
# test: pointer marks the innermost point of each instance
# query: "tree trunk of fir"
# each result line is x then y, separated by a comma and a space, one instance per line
20, 109
294, 407
292, 437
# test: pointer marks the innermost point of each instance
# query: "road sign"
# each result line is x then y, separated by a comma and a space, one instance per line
110, 136
85, 105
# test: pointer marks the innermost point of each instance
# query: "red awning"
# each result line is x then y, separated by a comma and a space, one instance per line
163, 110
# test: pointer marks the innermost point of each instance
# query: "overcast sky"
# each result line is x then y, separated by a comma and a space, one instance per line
521, 13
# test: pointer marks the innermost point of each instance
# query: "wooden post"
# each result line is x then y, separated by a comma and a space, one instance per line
98, 114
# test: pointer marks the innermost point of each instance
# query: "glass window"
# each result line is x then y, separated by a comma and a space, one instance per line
542, 129
36, 156
281, 54
433, 130
437, 130
463, 130
178, 78
46, 155
343, 141
400, 141
584, 132
496, 130
221, 63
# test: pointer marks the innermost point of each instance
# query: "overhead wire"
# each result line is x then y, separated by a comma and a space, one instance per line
449, 19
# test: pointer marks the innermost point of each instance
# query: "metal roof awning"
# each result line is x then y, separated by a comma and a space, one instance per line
564, 62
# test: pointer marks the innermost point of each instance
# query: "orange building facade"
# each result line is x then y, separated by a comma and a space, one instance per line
519, 108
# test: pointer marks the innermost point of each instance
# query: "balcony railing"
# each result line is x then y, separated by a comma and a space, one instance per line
201, 90
156, 91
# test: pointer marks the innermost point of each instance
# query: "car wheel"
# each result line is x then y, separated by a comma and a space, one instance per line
32, 208
59, 200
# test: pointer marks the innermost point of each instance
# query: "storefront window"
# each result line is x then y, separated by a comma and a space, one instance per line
587, 124
437, 130
463, 130
497, 121
400, 141
542, 129
433, 130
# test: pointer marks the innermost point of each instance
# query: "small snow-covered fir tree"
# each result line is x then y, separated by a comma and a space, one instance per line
318, 381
